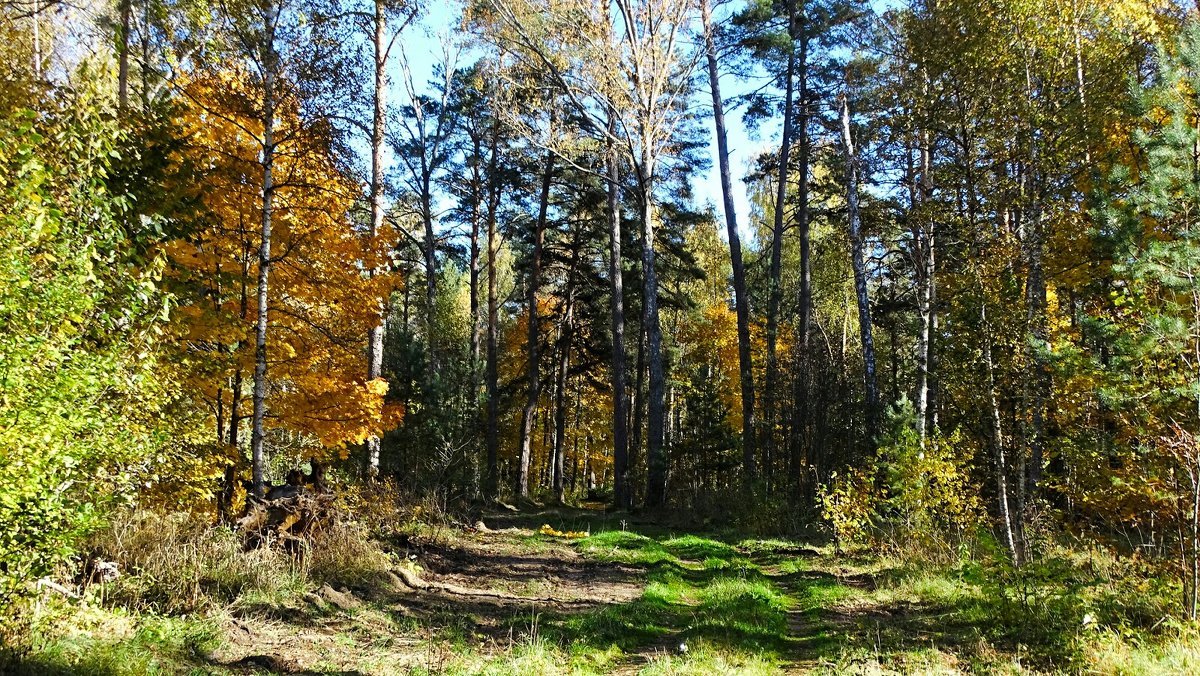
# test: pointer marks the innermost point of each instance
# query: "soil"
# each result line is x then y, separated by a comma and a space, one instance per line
481, 585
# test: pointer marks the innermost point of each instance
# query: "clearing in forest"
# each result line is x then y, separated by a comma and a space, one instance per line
621, 597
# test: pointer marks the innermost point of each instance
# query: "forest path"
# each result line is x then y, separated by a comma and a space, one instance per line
630, 597
479, 589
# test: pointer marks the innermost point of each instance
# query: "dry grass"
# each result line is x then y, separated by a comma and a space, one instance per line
181, 563
178, 562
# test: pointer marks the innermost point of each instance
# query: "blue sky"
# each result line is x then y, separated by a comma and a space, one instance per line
422, 45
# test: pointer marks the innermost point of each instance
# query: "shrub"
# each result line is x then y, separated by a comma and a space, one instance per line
181, 563
82, 413
920, 496
928, 499
848, 504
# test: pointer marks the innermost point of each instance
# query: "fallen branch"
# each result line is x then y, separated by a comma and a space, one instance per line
47, 583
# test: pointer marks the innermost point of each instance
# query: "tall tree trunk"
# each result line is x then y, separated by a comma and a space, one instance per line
740, 299
566, 335
533, 337
560, 413
860, 275
637, 402
622, 495
431, 271
258, 432
378, 131
775, 290
658, 464
476, 198
493, 390
926, 269
800, 399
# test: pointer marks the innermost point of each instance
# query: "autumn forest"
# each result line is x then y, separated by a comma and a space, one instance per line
599, 336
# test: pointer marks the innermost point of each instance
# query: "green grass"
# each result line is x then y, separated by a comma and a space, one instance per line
741, 606
153, 646
626, 547
699, 591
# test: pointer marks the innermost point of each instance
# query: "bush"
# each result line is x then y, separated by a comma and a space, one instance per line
181, 563
80, 316
929, 501
848, 504
919, 497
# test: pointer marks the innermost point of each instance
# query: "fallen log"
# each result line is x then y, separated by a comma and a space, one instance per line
290, 518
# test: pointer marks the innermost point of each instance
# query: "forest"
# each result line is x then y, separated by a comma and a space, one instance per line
599, 336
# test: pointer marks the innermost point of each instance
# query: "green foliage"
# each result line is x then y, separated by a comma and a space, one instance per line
929, 496
848, 504
918, 497
79, 316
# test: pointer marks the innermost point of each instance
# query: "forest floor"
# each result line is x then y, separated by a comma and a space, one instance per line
629, 598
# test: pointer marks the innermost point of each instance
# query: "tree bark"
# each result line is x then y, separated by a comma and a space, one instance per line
622, 495
493, 390
800, 399
860, 275
774, 293
378, 131
741, 301
431, 271
566, 335
533, 337
926, 269
658, 464
476, 198
258, 432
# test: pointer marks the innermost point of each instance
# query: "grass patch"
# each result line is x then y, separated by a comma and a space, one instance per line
102, 643
738, 615
617, 546
703, 658
698, 548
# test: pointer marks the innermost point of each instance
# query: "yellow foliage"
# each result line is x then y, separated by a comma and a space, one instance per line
322, 299
548, 530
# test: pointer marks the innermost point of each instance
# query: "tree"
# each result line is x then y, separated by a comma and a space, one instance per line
274, 44
854, 225
423, 147
533, 339
741, 302
1156, 236
639, 76
383, 41
317, 385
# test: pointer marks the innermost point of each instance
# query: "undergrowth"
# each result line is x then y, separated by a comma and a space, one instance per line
710, 605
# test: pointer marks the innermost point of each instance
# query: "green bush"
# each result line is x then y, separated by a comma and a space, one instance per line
80, 313
917, 496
